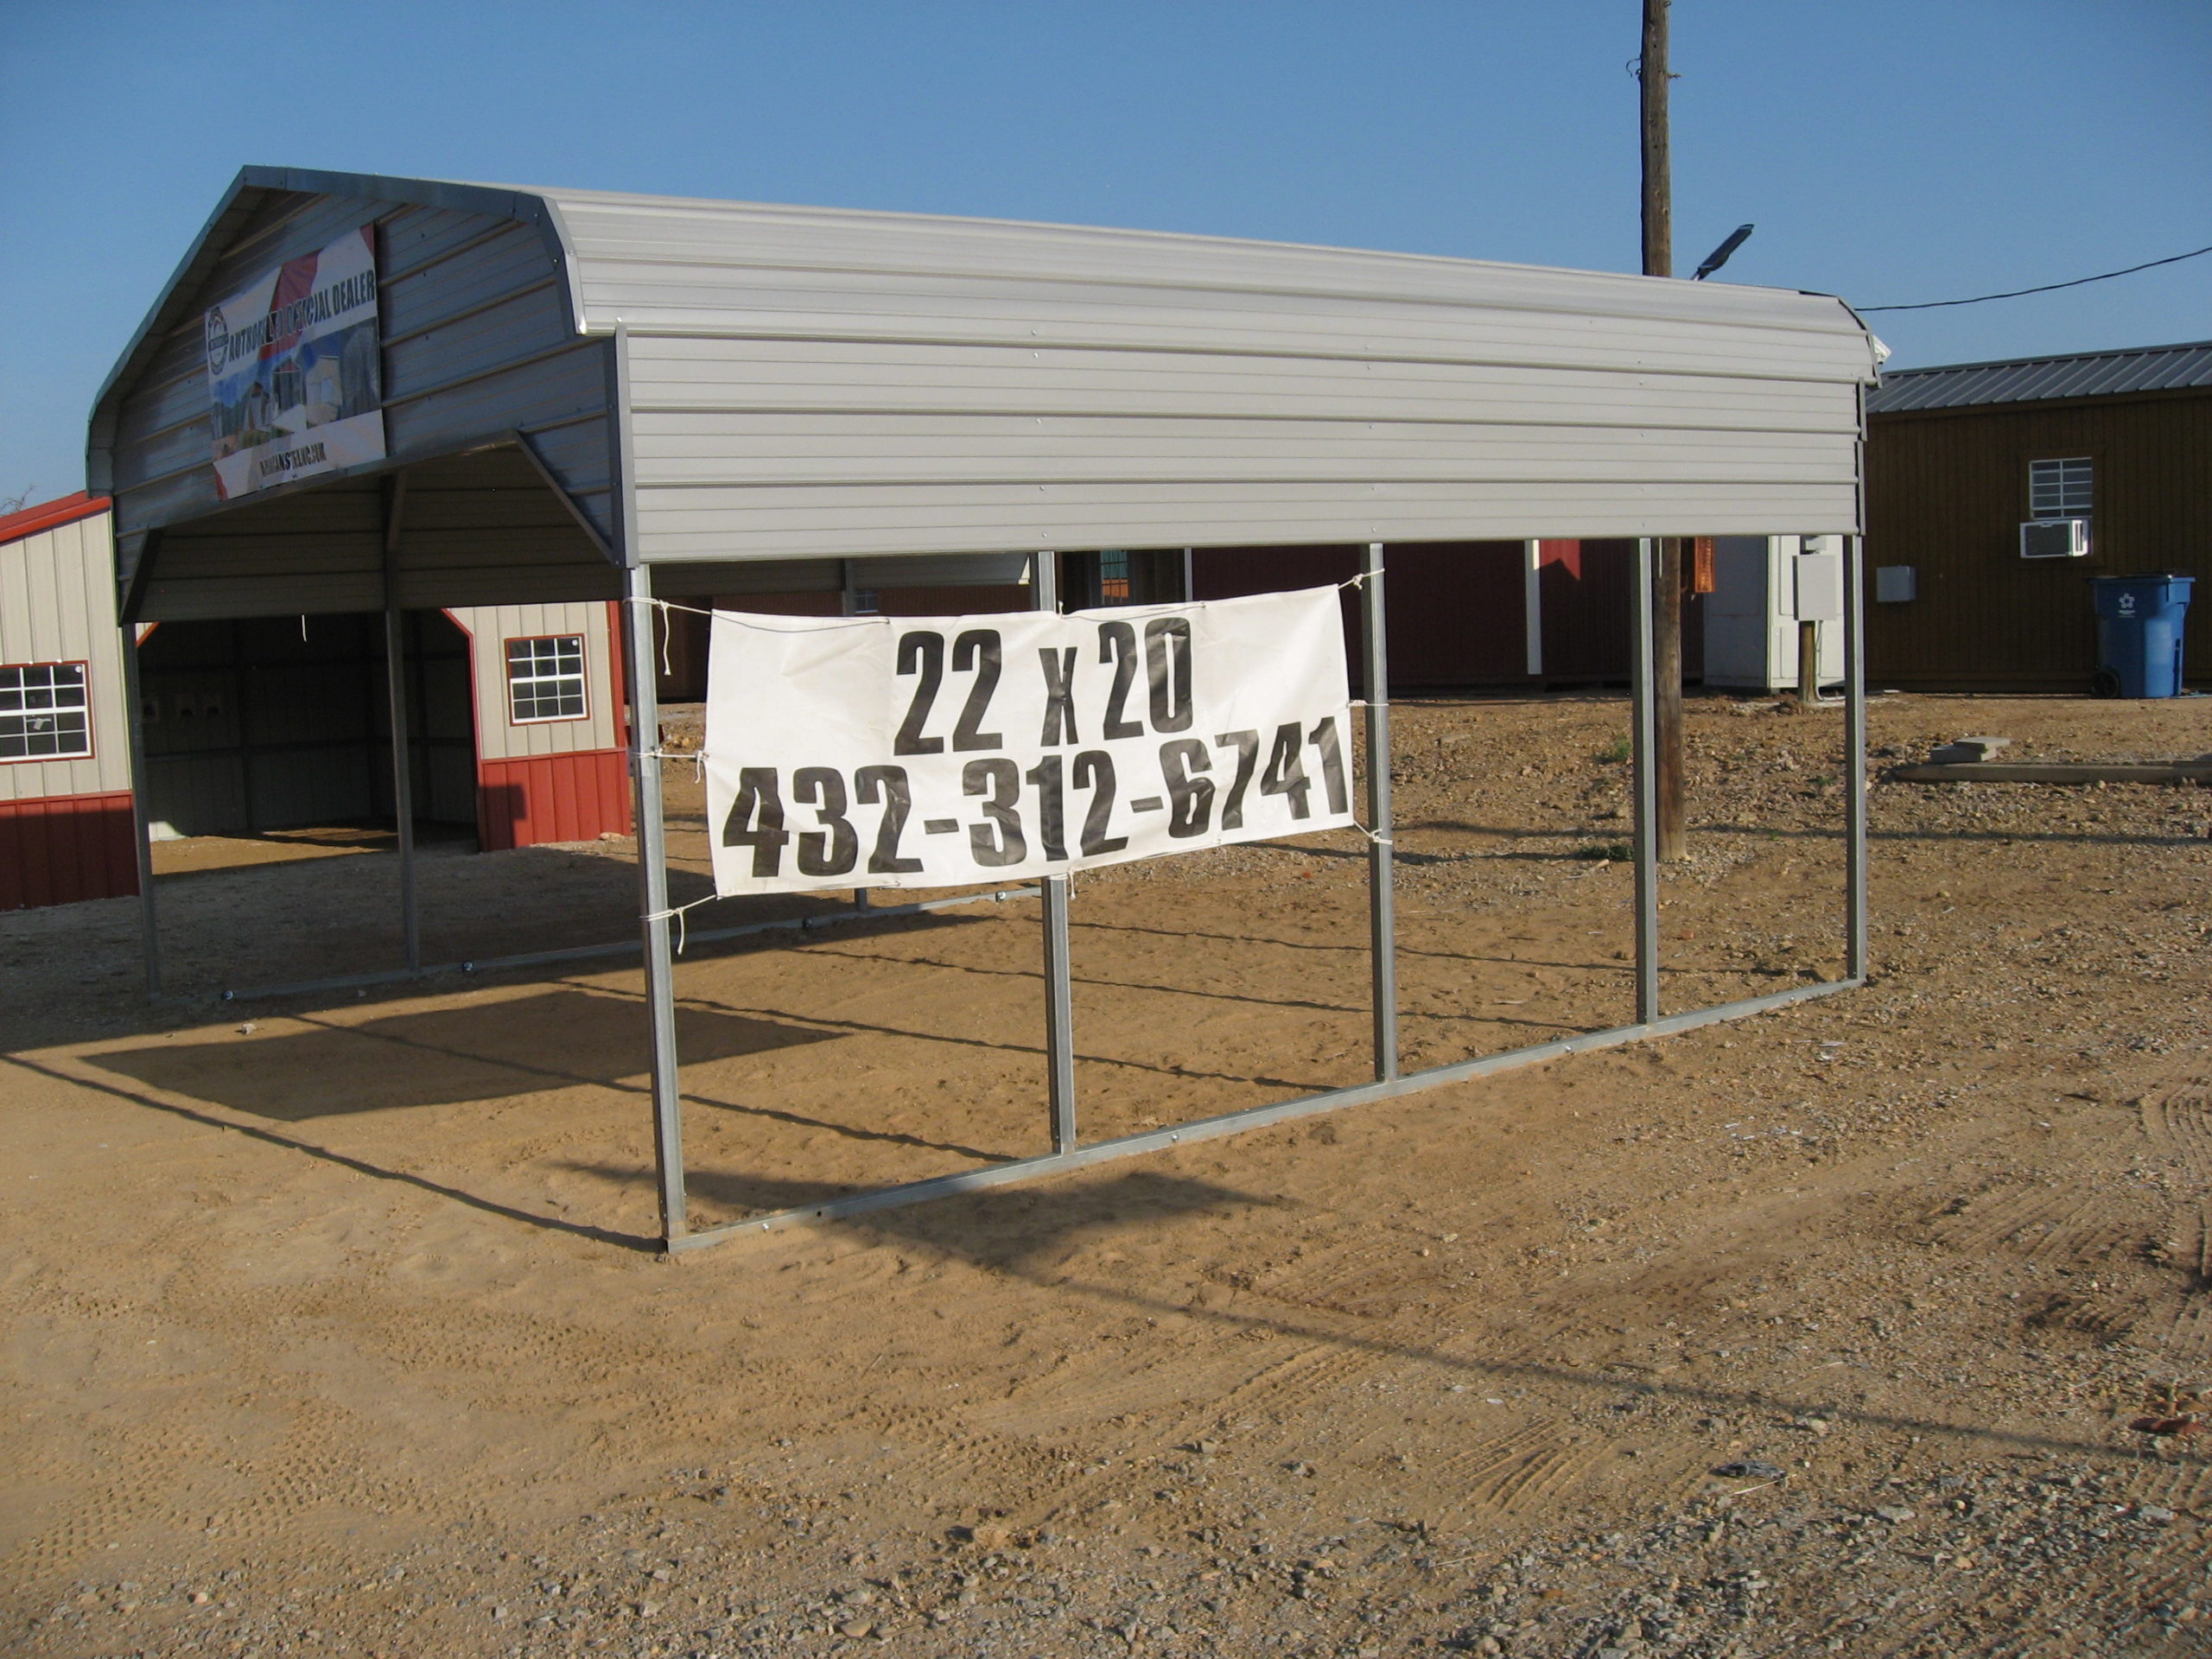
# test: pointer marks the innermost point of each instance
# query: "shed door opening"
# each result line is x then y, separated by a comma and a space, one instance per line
270, 724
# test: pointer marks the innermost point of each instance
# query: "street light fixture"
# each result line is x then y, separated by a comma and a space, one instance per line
1719, 257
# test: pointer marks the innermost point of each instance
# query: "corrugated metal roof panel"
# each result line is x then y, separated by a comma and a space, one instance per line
2079, 374
672, 265
817, 383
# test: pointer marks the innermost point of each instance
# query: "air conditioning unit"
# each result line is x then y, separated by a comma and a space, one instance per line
2054, 538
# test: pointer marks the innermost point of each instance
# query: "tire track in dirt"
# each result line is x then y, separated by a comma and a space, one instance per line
1366, 1281
2043, 1224
1080, 1396
2178, 1119
1515, 1472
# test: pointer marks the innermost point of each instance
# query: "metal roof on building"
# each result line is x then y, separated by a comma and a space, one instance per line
2079, 374
708, 384
49, 515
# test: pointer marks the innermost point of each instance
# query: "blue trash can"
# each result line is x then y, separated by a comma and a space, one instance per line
2138, 634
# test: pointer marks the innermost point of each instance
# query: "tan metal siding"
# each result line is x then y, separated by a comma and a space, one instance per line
497, 737
702, 374
56, 605
475, 529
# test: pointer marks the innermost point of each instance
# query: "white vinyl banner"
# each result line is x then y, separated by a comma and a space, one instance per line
939, 752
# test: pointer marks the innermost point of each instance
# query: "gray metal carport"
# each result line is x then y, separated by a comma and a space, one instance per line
594, 395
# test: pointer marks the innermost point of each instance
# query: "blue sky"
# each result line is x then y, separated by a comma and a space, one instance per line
1888, 150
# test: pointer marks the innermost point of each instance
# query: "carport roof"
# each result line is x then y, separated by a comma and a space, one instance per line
651, 263
712, 384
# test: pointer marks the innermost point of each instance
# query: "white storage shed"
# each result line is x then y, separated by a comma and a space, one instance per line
1765, 588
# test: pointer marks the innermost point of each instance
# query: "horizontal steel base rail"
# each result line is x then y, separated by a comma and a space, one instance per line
620, 947
1255, 1117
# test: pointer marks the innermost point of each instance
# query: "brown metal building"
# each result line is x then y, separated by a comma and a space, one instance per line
1994, 489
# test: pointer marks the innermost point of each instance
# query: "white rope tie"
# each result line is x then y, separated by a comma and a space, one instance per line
664, 604
676, 915
749, 620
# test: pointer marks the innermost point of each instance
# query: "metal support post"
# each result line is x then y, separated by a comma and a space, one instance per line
1381, 907
403, 770
652, 892
1855, 759
1059, 975
1646, 742
141, 828
1667, 700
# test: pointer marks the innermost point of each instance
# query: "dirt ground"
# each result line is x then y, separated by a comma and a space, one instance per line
332, 1325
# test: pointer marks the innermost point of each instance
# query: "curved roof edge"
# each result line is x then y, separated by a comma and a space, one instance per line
588, 234
241, 197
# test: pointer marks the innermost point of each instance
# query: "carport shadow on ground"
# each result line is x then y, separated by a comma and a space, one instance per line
505, 1038
492, 1050
442, 1057
566, 1037
344, 880
1016, 1232
1022, 1233
1027, 1235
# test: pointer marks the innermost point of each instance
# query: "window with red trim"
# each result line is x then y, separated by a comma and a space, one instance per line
545, 678
45, 712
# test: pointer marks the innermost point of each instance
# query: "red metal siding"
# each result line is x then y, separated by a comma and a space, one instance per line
1585, 588
1458, 614
64, 847
542, 798
1456, 608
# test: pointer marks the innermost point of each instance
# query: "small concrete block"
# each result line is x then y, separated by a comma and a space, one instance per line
1967, 750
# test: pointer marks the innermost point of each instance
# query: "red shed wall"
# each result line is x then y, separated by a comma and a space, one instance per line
65, 848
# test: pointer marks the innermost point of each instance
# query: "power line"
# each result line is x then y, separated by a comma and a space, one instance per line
1930, 305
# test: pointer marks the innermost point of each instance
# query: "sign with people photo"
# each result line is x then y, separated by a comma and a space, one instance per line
937, 752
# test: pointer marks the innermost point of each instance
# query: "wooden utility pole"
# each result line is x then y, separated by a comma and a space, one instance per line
1667, 607
1658, 198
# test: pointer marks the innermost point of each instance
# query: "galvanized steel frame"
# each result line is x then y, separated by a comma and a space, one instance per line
547, 215
1068, 1153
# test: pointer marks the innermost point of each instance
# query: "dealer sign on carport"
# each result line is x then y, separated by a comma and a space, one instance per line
293, 382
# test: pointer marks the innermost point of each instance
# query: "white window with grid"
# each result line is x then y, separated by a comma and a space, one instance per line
2060, 489
45, 712
545, 678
